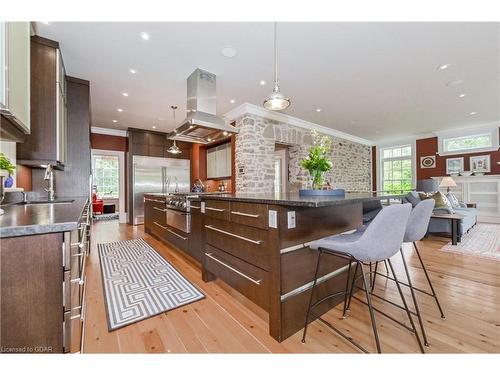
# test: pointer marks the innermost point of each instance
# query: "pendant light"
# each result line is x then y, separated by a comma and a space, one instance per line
276, 101
174, 149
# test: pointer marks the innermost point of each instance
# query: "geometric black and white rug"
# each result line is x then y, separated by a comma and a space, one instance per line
107, 217
139, 283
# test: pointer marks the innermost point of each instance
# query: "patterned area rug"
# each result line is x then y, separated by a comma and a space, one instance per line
139, 283
483, 241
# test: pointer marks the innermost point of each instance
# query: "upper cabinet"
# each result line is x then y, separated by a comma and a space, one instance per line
15, 79
48, 139
219, 161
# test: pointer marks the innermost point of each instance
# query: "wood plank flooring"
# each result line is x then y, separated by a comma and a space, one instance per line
225, 322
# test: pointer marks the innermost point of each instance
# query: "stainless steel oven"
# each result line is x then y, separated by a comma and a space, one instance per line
180, 220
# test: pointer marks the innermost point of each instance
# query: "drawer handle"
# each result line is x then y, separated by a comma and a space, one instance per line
215, 209
175, 234
257, 242
161, 226
78, 281
153, 200
244, 214
233, 269
197, 207
159, 209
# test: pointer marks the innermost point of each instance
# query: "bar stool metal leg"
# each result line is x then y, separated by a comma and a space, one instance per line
346, 288
351, 290
311, 297
414, 298
406, 307
429, 281
370, 308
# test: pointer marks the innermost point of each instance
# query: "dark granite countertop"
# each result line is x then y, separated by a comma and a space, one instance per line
294, 199
28, 219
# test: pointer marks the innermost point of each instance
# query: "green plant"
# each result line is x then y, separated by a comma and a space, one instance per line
317, 162
6, 164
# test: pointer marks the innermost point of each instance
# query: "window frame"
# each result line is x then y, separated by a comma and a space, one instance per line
94, 182
491, 129
411, 158
470, 136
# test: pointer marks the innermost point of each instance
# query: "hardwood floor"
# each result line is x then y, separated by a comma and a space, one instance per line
225, 322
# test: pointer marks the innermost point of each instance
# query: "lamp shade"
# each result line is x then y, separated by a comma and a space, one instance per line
447, 182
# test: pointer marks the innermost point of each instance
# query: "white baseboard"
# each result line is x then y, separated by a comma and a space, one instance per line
488, 219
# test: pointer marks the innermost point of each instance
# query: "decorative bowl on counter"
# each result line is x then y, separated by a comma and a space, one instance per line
478, 173
318, 192
466, 173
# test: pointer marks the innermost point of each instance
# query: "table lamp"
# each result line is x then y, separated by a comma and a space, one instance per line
447, 182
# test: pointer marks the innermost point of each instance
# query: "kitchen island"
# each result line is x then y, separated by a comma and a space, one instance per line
259, 245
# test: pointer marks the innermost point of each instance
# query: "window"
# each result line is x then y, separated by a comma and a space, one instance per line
106, 172
469, 142
396, 171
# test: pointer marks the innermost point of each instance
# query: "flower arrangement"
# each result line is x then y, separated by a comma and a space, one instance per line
317, 162
5, 164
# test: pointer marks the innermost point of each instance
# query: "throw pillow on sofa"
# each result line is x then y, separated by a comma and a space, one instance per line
441, 201
452, 198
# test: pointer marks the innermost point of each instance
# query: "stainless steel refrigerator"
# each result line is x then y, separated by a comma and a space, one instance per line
157, 175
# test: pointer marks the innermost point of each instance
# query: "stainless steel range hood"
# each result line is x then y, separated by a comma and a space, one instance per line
202, 124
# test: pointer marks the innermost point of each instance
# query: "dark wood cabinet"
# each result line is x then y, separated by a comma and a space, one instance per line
47, 141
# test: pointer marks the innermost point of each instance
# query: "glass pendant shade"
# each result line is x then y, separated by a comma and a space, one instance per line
174, 149
276, 101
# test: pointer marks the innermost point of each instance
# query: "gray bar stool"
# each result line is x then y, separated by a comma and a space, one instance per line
415, 231
378, 242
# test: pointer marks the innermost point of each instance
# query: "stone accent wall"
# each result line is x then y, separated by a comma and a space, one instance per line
255, 145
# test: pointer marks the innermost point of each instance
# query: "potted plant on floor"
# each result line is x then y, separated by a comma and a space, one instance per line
318, 163
6, 170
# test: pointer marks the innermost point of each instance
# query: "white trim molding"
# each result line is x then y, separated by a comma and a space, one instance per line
108, 131
121, 161
252, 109
490, 129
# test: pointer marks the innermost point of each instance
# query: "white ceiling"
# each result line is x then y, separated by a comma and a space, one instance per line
372, 80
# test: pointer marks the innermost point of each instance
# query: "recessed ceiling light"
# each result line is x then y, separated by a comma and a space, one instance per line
462, 95
229, 51
145, 35
232, 101
125, 93
154, 127
444, 66
473, 113
318, 109
454, 83
120, 110
115, 120
209, 139
133, 71
262, 82
225, 133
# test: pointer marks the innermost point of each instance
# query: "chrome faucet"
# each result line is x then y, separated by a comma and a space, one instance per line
49, 176
176, 185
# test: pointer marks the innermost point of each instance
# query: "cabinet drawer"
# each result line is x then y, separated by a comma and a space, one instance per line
159, 230
249, 280
217, 209
255, 215
177, 238
159, 214
247, 243
297, 267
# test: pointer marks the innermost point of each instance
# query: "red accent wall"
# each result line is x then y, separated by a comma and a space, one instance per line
429, 146
374, 167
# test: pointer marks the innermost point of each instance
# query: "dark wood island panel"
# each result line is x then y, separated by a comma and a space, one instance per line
254, 248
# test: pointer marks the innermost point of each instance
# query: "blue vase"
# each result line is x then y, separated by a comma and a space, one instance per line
9, 181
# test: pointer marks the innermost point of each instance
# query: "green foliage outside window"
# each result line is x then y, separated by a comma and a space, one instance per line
106, 175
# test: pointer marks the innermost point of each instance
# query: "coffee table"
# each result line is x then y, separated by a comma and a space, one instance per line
455, 222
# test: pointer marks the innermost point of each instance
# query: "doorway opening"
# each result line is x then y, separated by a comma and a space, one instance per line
281, 169
108, 178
